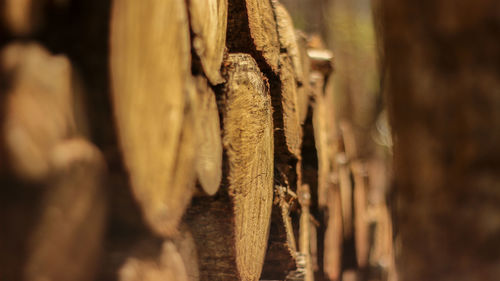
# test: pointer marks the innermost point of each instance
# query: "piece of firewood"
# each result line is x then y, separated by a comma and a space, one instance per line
143, 266
361, 223
251, 28
150, 64
332, 251
208, 137
304, 88
38, 112
208, 23
231, 228
287, 38
66, 240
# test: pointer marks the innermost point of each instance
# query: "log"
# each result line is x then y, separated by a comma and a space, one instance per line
287, 38
304, 88
150, 64
144, 266
208, 137
231, 228
361, 223
66, 240
38, 108
208, 20
251, 28
332, 251
304, 196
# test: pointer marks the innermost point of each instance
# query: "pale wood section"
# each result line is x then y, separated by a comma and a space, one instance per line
38, 109
252, 22
208, 22
66, 240
320, 135
167, 266
231, 228
150, 63
208, 137
361, 223
333, 235
304, 196
304, 89
287, 38
291, 123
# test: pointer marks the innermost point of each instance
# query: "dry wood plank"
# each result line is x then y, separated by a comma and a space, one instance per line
143, 266
150, 63
304, 88
208, 137
231, 228
252, 29
287, 38
208, 20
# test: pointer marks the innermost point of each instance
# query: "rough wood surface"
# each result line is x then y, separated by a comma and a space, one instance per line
231, 228
167, 266
304, 88
150, 63
208, 137
208, 23
252, 29
287, 38
288, 96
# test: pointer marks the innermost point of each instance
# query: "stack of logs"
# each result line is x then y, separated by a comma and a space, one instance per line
169, 140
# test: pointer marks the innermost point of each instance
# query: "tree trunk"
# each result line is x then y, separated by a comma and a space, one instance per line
150, 63
231, 228
444, 98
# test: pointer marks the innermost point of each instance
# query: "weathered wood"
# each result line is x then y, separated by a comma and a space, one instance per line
288, 97
304, 196
208, 23
304, 88
208, 137
231, 228
67, 238
321, 60
361, 227
150, 63
252, 29
287, 38
38, 108
167, 266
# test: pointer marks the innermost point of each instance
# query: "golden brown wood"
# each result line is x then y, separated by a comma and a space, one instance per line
22, 17
150, 63
304, 89
252, 29
168, 266
208, 137
208, 22
66, 240
231, 228
361, 233
287, 38
333, 235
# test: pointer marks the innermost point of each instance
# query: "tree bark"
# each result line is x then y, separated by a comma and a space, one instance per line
150, 63
444, 98
231, 229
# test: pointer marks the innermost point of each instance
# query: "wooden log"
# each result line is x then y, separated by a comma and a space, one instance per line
145, 266
150, 63
72, 216
332, 252
361, 223
38, 108
231, 228
208, 23
252, 29
287, 38
304, 88
208, 137
304, 196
